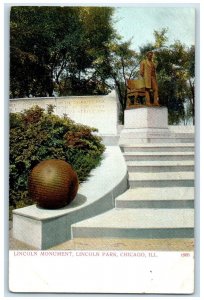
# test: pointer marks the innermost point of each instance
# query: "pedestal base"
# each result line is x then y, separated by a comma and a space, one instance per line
145, 125
150, 125
146, 117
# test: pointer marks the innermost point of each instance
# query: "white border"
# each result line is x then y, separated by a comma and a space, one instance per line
199, 121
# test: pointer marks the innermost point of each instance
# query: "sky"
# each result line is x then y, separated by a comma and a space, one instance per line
139, 24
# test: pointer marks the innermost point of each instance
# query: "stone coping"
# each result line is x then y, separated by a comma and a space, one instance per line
38, 213
111, 94
105, 179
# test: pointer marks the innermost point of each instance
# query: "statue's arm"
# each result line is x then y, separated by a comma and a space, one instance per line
142, 68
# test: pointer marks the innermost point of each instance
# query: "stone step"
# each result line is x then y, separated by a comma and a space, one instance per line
161, 179
168, 197
138, 223
158, 156
160, 166
174, 147
152, 140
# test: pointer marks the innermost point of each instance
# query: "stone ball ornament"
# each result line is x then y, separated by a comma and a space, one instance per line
53, 184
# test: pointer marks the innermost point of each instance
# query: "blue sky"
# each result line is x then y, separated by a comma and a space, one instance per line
139, 23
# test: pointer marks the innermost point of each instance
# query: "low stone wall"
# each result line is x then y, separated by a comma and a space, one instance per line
100, 112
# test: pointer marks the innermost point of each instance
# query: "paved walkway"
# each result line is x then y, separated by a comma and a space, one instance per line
127, 244
114, 244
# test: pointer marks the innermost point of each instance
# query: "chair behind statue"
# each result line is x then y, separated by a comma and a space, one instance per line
135, 89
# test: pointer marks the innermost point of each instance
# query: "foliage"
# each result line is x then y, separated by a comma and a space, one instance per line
54, 48
36, 135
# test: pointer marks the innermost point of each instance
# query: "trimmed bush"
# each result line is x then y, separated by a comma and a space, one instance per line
36, 135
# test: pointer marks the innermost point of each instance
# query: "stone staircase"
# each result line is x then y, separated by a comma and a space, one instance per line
159, 203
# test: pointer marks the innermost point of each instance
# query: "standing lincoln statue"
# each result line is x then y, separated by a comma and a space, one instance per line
148, 72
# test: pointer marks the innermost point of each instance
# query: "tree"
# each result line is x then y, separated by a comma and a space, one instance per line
47, 35
85, 77
175, 80
50, 44
190, 76
121, 64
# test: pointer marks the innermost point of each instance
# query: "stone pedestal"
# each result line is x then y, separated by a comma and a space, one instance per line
144, 125
146, 117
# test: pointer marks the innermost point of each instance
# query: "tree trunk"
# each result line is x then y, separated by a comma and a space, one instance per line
121, 100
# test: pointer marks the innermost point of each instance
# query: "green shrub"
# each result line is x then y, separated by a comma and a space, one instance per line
36, 135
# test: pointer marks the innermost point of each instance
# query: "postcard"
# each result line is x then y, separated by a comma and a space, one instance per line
102, 149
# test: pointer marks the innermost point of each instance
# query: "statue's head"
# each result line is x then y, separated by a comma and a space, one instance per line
149, 54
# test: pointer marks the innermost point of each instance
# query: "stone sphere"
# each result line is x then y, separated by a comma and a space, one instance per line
53, 184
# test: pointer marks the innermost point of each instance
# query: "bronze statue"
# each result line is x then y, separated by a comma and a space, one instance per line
148, 72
